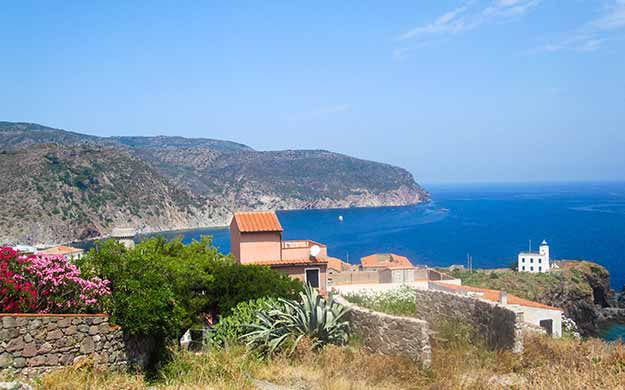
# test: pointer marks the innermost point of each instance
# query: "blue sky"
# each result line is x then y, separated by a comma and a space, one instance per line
482, 90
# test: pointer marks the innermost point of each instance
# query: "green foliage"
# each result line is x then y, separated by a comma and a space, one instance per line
288, 322
160, 288
235, 283
533, 286
231, 328
400, 301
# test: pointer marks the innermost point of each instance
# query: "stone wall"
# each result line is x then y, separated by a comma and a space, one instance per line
499, 327
36, 343
390, 335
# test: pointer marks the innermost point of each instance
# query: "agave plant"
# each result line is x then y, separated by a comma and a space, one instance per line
288, 322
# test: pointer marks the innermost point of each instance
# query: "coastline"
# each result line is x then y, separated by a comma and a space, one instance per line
152, 231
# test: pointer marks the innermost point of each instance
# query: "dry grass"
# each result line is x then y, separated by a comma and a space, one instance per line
457, 364
85, 376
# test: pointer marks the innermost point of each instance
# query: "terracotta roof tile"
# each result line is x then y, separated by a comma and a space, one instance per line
495, 295
337, 264
61, 250
260, 221
386, 260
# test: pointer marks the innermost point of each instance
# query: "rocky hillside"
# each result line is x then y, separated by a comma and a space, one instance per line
292, 179
53, 193
197, 182
580, 288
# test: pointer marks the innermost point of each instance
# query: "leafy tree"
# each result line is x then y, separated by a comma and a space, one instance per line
161, 288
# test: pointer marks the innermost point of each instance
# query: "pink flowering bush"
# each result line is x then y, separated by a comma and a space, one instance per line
47, 284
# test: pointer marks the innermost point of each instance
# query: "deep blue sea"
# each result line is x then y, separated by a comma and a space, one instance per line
492, 223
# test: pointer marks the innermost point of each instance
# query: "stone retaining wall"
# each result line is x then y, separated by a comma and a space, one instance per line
35, 343
499, 326
390, 335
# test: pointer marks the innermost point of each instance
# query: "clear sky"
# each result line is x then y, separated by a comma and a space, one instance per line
482, 90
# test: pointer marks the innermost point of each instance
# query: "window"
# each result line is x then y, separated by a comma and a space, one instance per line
531, 268
523, 259
540, 260
532, 260
523, 268
540, 268
311, 276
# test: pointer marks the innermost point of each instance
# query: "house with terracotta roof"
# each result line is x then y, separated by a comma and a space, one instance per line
256, 238
535, 314
391, 267
70, 253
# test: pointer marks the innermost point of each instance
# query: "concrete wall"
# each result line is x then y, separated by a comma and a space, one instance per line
369, 288
32, 344
292, 250
397, 275
498, 326
355, 277
533, 262
259, 246
298, 272
534, 315
390, 335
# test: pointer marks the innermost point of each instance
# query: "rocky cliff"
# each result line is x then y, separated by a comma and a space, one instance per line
580, 288
60, 186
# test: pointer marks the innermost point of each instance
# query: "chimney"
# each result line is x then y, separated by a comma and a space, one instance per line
503, 297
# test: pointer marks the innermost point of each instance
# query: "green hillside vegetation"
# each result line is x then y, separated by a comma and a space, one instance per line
63, 192
167, 183
577, 287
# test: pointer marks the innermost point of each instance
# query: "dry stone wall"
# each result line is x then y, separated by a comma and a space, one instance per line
36, 343
390, 335
499, 326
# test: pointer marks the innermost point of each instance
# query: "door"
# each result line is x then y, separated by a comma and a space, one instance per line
312, 277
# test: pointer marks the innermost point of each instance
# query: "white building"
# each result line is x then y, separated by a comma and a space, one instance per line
70, 253
535, 262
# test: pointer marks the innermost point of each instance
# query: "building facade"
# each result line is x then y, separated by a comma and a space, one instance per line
70, 253
256, 238
391, 267
535, 262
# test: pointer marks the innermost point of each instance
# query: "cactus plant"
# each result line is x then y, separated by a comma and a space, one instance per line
288, 322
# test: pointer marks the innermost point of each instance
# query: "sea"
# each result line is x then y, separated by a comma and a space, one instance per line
490, 223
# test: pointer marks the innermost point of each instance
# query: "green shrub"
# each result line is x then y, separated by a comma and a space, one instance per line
230, 329
288, 322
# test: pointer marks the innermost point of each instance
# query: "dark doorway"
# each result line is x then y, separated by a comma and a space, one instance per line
312, 277
547, 325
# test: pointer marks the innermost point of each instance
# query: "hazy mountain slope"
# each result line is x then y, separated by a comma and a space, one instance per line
180, 142
72, 185
286, 179
54, 193
19, 135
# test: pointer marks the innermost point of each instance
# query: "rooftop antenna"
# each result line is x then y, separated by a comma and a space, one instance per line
530, 250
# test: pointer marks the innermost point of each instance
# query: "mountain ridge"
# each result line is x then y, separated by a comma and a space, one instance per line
193, 182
